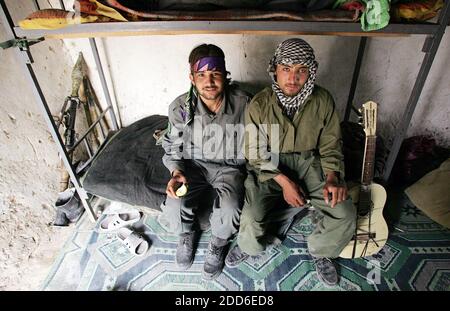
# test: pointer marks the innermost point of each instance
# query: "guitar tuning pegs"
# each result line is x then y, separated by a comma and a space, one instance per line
360, 111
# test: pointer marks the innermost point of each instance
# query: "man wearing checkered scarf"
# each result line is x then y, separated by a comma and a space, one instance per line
295, 161
293, 71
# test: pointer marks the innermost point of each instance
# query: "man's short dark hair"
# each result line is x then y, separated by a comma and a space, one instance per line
205, 50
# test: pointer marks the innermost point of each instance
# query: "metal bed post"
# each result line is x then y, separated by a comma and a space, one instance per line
103, 81
36, 5
26, 63
356, 71
61, 3
430, 48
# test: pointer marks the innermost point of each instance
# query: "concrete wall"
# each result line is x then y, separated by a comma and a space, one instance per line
24, 136
29, 173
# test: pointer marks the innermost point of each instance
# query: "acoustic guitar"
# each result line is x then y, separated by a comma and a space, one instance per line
371, 229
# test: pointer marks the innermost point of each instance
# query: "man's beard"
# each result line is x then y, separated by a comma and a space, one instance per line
204, 93
292, 93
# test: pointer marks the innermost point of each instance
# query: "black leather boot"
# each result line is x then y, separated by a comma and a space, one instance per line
185, 250
215, 258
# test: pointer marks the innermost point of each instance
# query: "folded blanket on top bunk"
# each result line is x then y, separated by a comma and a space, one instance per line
210, 5
373, 14
87, 11
311, 10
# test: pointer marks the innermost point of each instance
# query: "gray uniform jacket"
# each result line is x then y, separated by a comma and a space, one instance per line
216, 139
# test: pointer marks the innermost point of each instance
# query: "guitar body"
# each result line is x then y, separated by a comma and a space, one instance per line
377, 225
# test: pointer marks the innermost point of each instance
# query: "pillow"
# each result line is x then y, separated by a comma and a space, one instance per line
431, 194
129, 169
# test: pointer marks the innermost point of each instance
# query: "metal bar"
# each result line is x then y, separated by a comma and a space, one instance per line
42, 103
103, 130
104, 84
7, 20
444, 16
356, 111
61, 113
36, 5
92, 105
88, 147
88, 131
61, 3
84, 165
417, 89
90, 30
356, 71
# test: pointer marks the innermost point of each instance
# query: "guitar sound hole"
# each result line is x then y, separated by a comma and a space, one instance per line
365, 203
363, 214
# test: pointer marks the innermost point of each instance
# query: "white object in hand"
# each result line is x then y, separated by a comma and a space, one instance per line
181, 191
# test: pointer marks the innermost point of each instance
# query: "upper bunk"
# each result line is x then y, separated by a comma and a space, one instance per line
105, 18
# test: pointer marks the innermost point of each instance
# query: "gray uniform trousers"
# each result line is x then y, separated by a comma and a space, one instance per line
264, 212
227, 185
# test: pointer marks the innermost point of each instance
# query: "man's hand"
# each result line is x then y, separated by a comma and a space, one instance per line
293, 194
177, 180
334, 191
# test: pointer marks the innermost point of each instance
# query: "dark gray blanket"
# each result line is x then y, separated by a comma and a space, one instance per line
129, 169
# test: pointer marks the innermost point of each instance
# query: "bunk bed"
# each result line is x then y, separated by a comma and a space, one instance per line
22, 39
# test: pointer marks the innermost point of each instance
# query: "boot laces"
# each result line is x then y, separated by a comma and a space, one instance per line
215, 250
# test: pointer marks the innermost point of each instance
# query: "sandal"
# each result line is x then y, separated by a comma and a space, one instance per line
133, 241
117, 221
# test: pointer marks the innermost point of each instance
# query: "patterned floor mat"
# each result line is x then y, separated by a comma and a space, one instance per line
416, 257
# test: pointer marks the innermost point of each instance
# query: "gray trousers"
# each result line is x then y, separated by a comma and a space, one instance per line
264, 212
226, 183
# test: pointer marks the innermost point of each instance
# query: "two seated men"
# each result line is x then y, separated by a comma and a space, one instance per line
263, 158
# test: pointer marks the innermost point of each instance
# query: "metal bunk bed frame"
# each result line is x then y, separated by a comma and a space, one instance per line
24, 38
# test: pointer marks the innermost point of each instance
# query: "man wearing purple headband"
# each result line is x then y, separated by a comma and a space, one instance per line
203, 152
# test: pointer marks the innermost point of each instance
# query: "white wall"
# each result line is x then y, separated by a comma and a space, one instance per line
392, 65
149, 72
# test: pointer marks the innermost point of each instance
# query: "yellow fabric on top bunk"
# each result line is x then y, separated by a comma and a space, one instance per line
54, 19
419, 11
108, 11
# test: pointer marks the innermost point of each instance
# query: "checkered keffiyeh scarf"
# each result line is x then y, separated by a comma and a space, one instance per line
289, 52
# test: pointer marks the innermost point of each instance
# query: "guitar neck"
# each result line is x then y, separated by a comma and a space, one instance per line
369, 160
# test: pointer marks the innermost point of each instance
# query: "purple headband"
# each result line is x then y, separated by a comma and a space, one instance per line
209, 63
